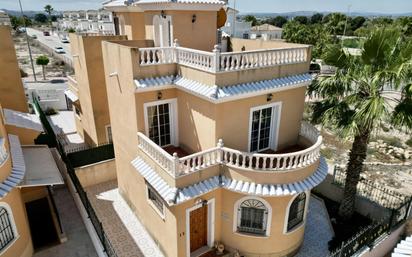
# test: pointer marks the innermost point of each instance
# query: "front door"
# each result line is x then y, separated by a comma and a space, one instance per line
198, 228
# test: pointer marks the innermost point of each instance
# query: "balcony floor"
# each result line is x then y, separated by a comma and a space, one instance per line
176, 149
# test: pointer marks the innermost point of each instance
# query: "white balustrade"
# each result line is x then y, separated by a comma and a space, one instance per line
158, 154
235, 158
199, 161
157, 55
220, 62
3, 151
195, 58
262, 58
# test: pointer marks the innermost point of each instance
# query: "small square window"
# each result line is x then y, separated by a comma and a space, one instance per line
155, 200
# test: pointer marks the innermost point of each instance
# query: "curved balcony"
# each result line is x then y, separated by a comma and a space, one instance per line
256, 162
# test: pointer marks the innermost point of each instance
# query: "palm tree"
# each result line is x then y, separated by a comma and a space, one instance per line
355, 101
43, 61
49, 9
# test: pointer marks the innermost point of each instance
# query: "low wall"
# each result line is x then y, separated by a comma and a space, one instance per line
363, 205
96, 173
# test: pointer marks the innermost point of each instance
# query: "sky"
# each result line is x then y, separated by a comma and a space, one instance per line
272, 6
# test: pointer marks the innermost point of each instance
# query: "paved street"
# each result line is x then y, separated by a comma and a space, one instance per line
51, 41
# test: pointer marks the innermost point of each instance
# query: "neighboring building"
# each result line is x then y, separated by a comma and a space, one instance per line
50, 94
4, 18
266, 32
29, 220
235, 28
87, 89
11, 85
90, 21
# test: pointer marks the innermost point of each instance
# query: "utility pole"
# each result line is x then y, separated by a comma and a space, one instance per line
27, 40
346, 22
234, 19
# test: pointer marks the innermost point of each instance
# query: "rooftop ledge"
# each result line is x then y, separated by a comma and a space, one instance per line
217, 62
257, 162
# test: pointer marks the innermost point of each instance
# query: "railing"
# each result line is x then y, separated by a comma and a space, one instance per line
222, 62
242, 160
277, 162
72, 80
370, 190
3, 151
262, 58
163, 158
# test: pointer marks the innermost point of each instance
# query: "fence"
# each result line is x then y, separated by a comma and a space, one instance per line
398, 204
77, 159
371, 191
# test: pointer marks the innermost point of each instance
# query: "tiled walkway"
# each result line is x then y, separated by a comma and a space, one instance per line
318, 231
78, 242
127, 235
129, 238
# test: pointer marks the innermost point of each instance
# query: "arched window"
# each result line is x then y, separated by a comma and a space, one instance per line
296, 211
252, 217
7, 229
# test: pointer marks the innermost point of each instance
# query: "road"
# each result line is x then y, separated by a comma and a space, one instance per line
51, 42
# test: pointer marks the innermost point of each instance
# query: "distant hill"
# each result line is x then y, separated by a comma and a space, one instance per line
310, 13
29, 14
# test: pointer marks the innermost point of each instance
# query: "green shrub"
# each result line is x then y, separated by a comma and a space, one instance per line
50, 111
327, 153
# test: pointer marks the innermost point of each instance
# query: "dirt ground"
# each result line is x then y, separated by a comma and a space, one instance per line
55, 68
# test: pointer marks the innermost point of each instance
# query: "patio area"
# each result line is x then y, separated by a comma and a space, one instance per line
64, 127
130, 238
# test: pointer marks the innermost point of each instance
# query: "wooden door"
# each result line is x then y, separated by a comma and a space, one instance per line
198, 228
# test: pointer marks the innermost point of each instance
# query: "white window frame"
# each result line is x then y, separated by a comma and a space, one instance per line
107, 133
159, 33
156, 209
13, 226
274, 126
285, 225
174, 121
236, 217
210, 224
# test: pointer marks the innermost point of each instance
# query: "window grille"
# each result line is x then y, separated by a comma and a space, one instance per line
297, 211
252, 217
6, 229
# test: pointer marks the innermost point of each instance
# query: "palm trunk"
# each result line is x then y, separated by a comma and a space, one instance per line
44, 75
357, 156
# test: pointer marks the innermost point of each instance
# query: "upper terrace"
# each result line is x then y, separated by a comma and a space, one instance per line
248, 61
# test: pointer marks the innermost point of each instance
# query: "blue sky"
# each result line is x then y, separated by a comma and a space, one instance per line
383, 6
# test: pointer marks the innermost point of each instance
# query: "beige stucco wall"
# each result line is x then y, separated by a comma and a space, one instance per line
12, 94
132, 25
91, 86
97, 173
25, 135
251, 44
22, 247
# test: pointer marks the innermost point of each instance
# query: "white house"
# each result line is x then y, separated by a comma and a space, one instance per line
235, 28
90, 21
266, 32
4, 18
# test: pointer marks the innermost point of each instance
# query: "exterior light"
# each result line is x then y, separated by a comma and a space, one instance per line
159, 95
194, 18
162, 13
269, 97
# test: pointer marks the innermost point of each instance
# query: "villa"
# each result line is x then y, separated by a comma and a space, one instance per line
210, 146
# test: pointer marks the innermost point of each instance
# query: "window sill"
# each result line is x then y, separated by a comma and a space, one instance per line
296, 228
251, 235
